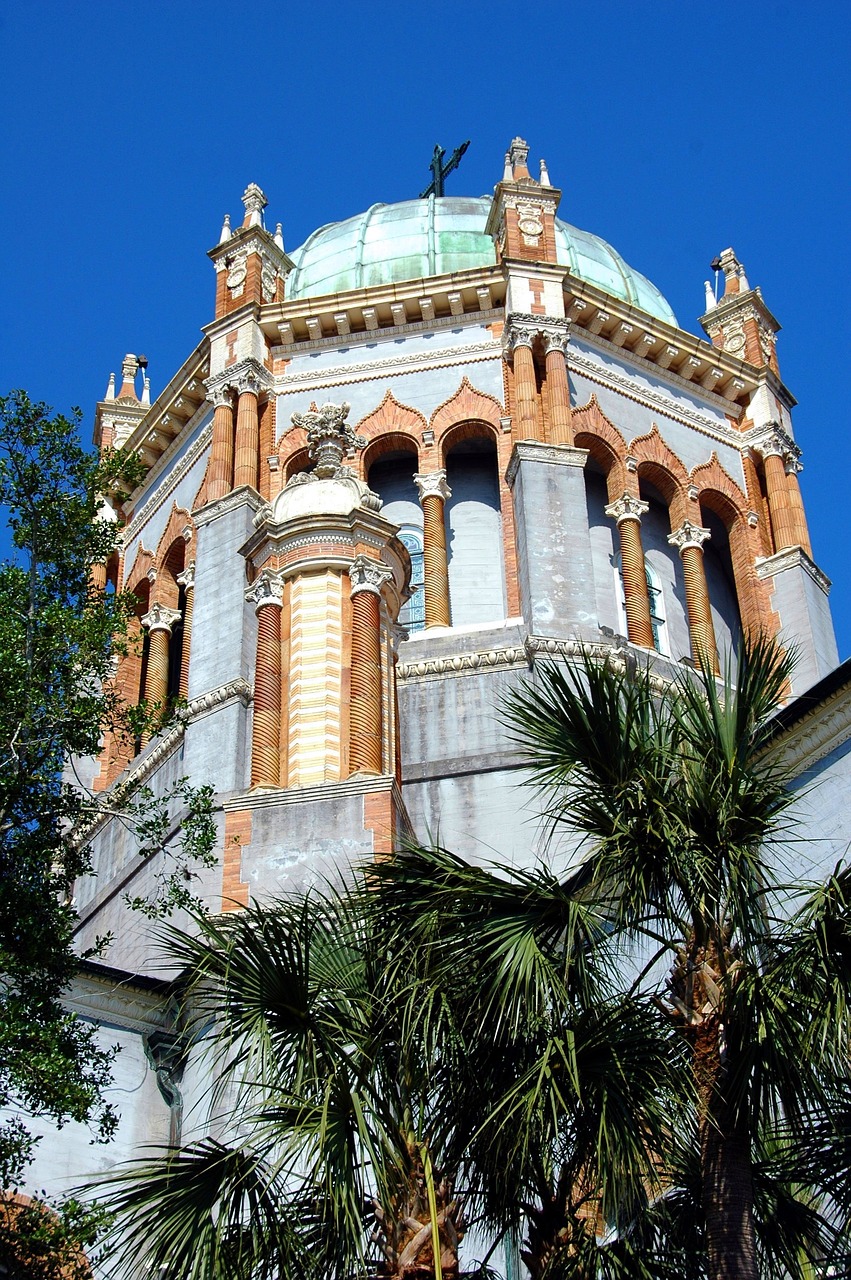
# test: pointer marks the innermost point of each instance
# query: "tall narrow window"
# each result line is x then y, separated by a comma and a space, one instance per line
412, 614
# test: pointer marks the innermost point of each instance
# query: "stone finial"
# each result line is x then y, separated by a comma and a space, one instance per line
507, 171
110, 388
710, 302
129, 368
545, 176
735, 280
279, 236
255, 202
226, 231
146, 391
519, 154
329, 437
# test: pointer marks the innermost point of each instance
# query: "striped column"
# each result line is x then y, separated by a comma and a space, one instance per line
434, 491
97, 575
267, 595
367, 577
159, 621
689, 540
627, 512
220, 477
187, 581
525, 383
558, 387
246, 469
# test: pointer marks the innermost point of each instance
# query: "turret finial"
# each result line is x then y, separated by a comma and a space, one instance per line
279, 236
110, 388
545, 177
255, 202
710, 296
226, 231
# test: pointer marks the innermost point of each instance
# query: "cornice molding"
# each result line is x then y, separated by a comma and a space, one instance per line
649, 398
792, 558
368, 370
822, 730
560, 455
243, 496
161, 496
274, 797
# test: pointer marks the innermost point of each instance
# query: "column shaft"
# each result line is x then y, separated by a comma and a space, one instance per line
220, 479
187, 641
365, 707
97, 575
783, 520
796, 512
526, 392
701, 627
266, 734
435, 566
156, 676
635, 595
558, 388
247, 458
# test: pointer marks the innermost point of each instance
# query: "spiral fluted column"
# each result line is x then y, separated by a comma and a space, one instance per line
97, 575
796, 506
267, 596
367, 578
689, 540
627, 511
525, 387
159, 621
247, 455
783, 521
558, 388
186, 579
434, 491
220, 477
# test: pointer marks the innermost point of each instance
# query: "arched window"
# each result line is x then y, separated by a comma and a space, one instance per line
656, 598
412, 614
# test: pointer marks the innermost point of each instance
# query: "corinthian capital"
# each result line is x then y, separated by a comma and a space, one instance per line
186, 579
368, 575
688, 535
433, 485
267, 588
627, 508
159, 618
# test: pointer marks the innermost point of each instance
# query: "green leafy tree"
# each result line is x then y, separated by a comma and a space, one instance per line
59, 636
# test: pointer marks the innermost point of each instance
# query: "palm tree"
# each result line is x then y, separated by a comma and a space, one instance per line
338, 1170
678, 808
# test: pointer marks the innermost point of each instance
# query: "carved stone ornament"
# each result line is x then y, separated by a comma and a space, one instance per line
218, 392
236, 273
368, 575
529, 215
433, 485
688, 535
627, 507
267, 588
767, 341
187, 578
734, 339
329, 437
268, 279
555, 340
159, 618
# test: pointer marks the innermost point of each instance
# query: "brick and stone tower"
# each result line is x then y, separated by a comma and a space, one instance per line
519, 453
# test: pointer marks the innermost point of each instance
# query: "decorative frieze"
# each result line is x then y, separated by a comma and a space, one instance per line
532, 451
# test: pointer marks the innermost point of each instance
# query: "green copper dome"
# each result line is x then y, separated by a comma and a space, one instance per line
421, 238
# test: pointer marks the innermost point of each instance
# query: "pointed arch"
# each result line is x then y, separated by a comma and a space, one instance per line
711, 476
179, 523
138, 575
595, 432
465, 404
656, 462
392, 415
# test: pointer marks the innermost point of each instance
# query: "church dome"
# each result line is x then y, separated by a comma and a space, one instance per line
419, 238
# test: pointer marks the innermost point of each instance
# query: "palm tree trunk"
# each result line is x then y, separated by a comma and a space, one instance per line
406, 1231
725, 1164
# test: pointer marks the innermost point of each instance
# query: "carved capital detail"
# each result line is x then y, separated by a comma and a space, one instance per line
688, 535
159, 618
433, 485
187, 578
627, 508
267, 588
368, 575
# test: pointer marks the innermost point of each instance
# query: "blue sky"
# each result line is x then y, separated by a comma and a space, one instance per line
673, 130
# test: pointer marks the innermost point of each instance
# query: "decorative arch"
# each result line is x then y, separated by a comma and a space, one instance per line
718, 491
389, 442
138, 575
172, 553
297, 461
598, 434
466, 404
475, 429
390, 418
658, 463
290, 446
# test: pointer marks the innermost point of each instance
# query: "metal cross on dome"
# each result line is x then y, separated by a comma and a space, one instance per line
440, 171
